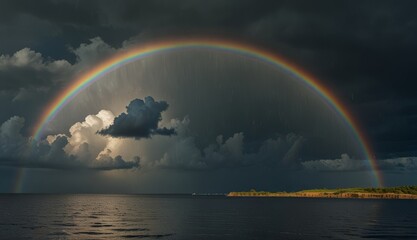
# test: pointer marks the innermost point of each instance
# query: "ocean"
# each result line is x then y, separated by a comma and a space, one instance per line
84, 216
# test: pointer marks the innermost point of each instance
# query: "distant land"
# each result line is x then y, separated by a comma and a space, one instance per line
403, 192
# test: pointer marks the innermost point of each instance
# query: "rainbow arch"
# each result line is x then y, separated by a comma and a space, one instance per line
238, 48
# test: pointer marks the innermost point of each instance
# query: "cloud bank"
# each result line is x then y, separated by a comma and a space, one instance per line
130, 132
103, 142
60, 151
84, 148
346, 163
182, 151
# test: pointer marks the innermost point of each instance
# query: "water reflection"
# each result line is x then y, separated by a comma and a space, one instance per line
187, 217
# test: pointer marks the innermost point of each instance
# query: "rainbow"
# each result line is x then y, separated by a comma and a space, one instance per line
133, 54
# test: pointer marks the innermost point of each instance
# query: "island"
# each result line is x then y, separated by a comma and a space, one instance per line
403, 192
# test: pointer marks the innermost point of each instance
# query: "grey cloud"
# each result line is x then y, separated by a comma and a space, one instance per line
27, 72
140, 121
106, 162
19, 151
29, 69
345, 163
94, 51
182, 152
29, 79
399, 164
12, 143
84, 149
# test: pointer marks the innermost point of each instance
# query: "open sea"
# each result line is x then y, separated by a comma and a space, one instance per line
83, 216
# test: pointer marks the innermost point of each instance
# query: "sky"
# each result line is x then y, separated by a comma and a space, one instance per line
205, 120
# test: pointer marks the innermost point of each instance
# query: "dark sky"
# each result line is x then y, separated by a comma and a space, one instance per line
362, 51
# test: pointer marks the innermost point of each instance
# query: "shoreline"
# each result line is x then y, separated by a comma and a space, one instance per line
353, 195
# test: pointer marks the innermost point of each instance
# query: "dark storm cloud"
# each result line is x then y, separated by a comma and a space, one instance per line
140, 121
19, 151
363, 50
54, 11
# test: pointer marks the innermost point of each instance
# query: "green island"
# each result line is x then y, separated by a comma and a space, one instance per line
402, 192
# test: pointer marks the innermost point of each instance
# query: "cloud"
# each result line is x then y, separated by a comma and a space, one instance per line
26, 73
29, 79
12, 143
60, 151
29, 69
140, 121
182, 152
94, 51
345, 163
399, 164
83, 148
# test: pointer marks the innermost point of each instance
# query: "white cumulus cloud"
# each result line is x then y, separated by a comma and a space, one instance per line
81, 150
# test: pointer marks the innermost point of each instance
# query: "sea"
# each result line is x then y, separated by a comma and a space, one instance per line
85, 216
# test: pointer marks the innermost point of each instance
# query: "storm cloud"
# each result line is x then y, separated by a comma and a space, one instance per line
356, 58
362, 51
140, 120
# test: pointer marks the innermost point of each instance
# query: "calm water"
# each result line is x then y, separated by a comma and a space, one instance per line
187, 217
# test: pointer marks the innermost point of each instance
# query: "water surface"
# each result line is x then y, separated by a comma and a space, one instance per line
24, 216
